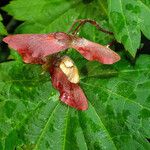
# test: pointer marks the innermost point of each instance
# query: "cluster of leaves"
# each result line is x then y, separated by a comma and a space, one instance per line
31, 115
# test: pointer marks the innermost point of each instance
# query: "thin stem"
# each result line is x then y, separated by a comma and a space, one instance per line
82, 22
71, 28
77, 28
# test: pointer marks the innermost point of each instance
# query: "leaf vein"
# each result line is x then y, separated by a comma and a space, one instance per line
65, 129
118, 95
45, 127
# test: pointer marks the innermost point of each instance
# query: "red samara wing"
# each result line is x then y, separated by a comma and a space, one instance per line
34, 47
70, 93
93, 51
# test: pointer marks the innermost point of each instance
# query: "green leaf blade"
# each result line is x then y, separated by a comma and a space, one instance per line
2, 27
126, 24
122, 100
31, 114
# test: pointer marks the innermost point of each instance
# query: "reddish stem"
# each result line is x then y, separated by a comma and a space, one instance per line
82, 22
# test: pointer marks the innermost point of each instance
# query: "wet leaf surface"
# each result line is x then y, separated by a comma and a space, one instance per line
128, 19
32, 116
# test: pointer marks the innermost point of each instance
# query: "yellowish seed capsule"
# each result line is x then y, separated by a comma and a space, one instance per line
69, 69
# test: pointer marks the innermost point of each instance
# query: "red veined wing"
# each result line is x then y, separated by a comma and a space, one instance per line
70, 93
34, 47
94, 51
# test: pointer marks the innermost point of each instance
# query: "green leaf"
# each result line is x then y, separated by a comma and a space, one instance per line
58, 15
31, 114
122, 101
2, 28
128, 19
32, 117
3, 54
